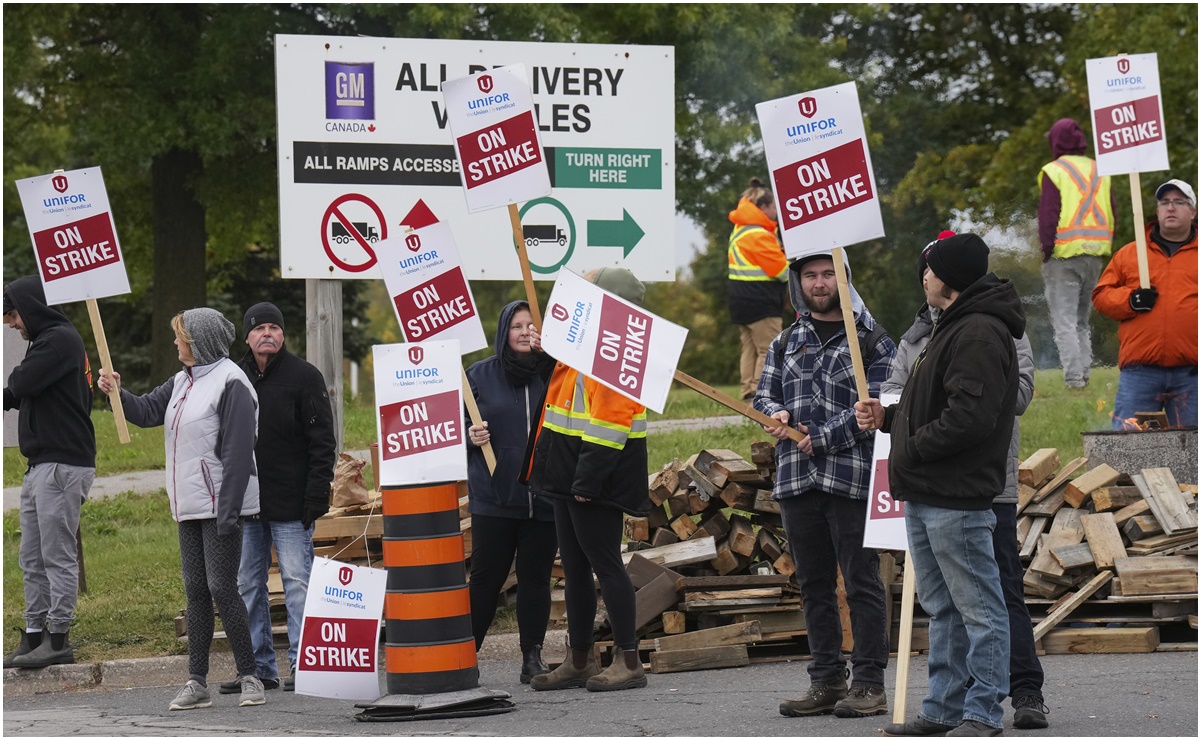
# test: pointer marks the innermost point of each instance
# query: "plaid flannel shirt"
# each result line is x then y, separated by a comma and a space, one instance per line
815, 384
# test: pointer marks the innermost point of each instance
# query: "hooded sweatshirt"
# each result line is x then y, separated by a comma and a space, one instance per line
952, 428
511, 407
754, 236
52, 386
1065, 137
814, 382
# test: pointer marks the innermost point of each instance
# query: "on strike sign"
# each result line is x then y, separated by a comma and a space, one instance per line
429, 292
419, 412
821, 170
339, 636
73, 236
611, 340
1127, 109
885, 526
491, 116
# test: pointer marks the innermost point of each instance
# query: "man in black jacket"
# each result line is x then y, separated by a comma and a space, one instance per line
52, 387
296, 452
950, 444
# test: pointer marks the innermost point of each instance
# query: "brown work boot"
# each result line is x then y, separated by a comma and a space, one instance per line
821, 699
577, 667
625, 672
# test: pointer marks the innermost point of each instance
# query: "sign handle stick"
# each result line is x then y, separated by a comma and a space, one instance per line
519, 239
106, 363
1140, 234
473, 410
905, 643
746, 410
848, 320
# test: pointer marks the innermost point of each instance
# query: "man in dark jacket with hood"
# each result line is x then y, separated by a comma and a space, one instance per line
1075, 229
296, 452
950, 447
52, 387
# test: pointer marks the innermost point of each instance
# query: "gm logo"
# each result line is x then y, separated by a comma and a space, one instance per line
345, 575
350, 91
416, 355
558, 313
413, 241
808, 107
485, 83
59, 183
1123, 65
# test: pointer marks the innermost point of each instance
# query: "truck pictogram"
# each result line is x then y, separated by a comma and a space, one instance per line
342, 236
535, 234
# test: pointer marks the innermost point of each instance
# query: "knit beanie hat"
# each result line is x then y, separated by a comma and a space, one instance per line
261, 313
959, 260
621, 282
211, 334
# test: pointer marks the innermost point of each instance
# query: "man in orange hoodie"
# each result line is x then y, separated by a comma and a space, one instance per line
1157, 329
758, 280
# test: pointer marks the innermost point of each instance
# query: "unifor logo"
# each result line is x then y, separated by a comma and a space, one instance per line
345, 575
808, 107
485, 83
1123, 65
416, 355
558, 313
60, 183
413, 241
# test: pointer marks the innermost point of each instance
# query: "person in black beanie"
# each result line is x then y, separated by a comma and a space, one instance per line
951, 432
296, 452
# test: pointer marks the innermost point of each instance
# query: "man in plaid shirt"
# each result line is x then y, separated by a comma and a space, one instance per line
808, 382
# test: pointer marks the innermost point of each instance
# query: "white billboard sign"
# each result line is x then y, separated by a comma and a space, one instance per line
821, 170
74, 239
611, 340
364, 132
1127, 111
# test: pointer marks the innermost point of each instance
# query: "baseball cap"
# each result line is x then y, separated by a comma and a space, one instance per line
1180, 185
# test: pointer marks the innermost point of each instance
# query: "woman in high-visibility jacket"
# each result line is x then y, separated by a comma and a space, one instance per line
589, 458
757, 280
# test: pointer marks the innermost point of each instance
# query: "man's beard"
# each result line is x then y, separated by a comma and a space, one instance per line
820, 304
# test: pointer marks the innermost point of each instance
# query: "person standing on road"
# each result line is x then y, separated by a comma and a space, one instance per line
1025, 670
52, 387
1157, 326
821, 486
758, 274
209, 415
951, 433
296, 452
589, 457
1075, 229
507, 520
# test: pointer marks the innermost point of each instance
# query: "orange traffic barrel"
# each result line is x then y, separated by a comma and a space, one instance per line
429, 644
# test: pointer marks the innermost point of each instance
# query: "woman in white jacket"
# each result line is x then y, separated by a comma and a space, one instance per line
209, 412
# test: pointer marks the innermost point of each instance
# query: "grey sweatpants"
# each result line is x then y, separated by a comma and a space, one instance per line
1069, 286
51, 495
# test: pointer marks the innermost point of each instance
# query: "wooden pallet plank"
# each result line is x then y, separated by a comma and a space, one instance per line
738, 633
1080, 490
680, 553
1101, 640
699, 659
1162, 492
1060, 478
1104, 539
1039, 467
1057, 615
1157, 575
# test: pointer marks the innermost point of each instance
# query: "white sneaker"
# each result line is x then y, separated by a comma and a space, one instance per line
252, 692
192, 696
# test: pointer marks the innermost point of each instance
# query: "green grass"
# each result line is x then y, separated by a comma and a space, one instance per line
1057, 415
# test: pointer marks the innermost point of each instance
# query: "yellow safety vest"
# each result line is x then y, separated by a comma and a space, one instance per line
1085, 215
740, 267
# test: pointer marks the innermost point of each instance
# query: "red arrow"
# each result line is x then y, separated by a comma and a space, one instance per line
419, 216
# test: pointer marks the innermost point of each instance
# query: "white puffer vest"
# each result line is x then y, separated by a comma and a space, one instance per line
194, 470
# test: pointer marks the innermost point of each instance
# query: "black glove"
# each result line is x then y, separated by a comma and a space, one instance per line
312, 512
1144, 299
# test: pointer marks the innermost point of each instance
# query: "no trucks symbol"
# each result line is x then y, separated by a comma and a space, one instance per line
340, 228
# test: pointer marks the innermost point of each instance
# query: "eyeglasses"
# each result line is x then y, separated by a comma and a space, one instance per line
1175, 204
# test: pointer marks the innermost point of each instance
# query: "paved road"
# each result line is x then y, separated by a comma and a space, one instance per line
1089, 696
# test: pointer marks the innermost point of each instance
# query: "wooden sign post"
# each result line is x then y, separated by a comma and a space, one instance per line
527, 276
106, 365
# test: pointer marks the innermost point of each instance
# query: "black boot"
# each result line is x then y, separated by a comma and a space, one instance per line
29, 641
532, 663
54, 650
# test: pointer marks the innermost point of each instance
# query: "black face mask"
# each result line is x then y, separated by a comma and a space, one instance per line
519, 368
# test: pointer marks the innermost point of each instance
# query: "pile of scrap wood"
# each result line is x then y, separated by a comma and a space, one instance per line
1102, 541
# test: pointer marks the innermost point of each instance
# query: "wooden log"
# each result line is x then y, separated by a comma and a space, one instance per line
704, 460
681, 553
699, 659
1039, 467
1073, 556
1152, 419
1157, 575
1056, 615
715, 524
1080, 490
702, 482
763, 453
1113, 498
1141, 527
642, 571
764, 503
784, 565
684, 527
739, 496
1104, 539
656, 517
699, 501
738, 633
775, 619
1162, 493
674, 622
768, 545
1060, 478
664, 483
727, 561
636, 529
741, 536
653, 599
677, 504
735, 471
664, 536
1101, 640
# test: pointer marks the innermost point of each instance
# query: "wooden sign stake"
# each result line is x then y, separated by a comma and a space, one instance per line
519, 238
905, 641
746, 410
106, 364
1140, 233
473, 410
848, 321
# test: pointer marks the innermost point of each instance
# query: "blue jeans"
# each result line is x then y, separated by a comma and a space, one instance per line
1154, 388
1025, 670
959, 586
294, 551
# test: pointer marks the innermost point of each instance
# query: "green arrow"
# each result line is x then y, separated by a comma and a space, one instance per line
624, 233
